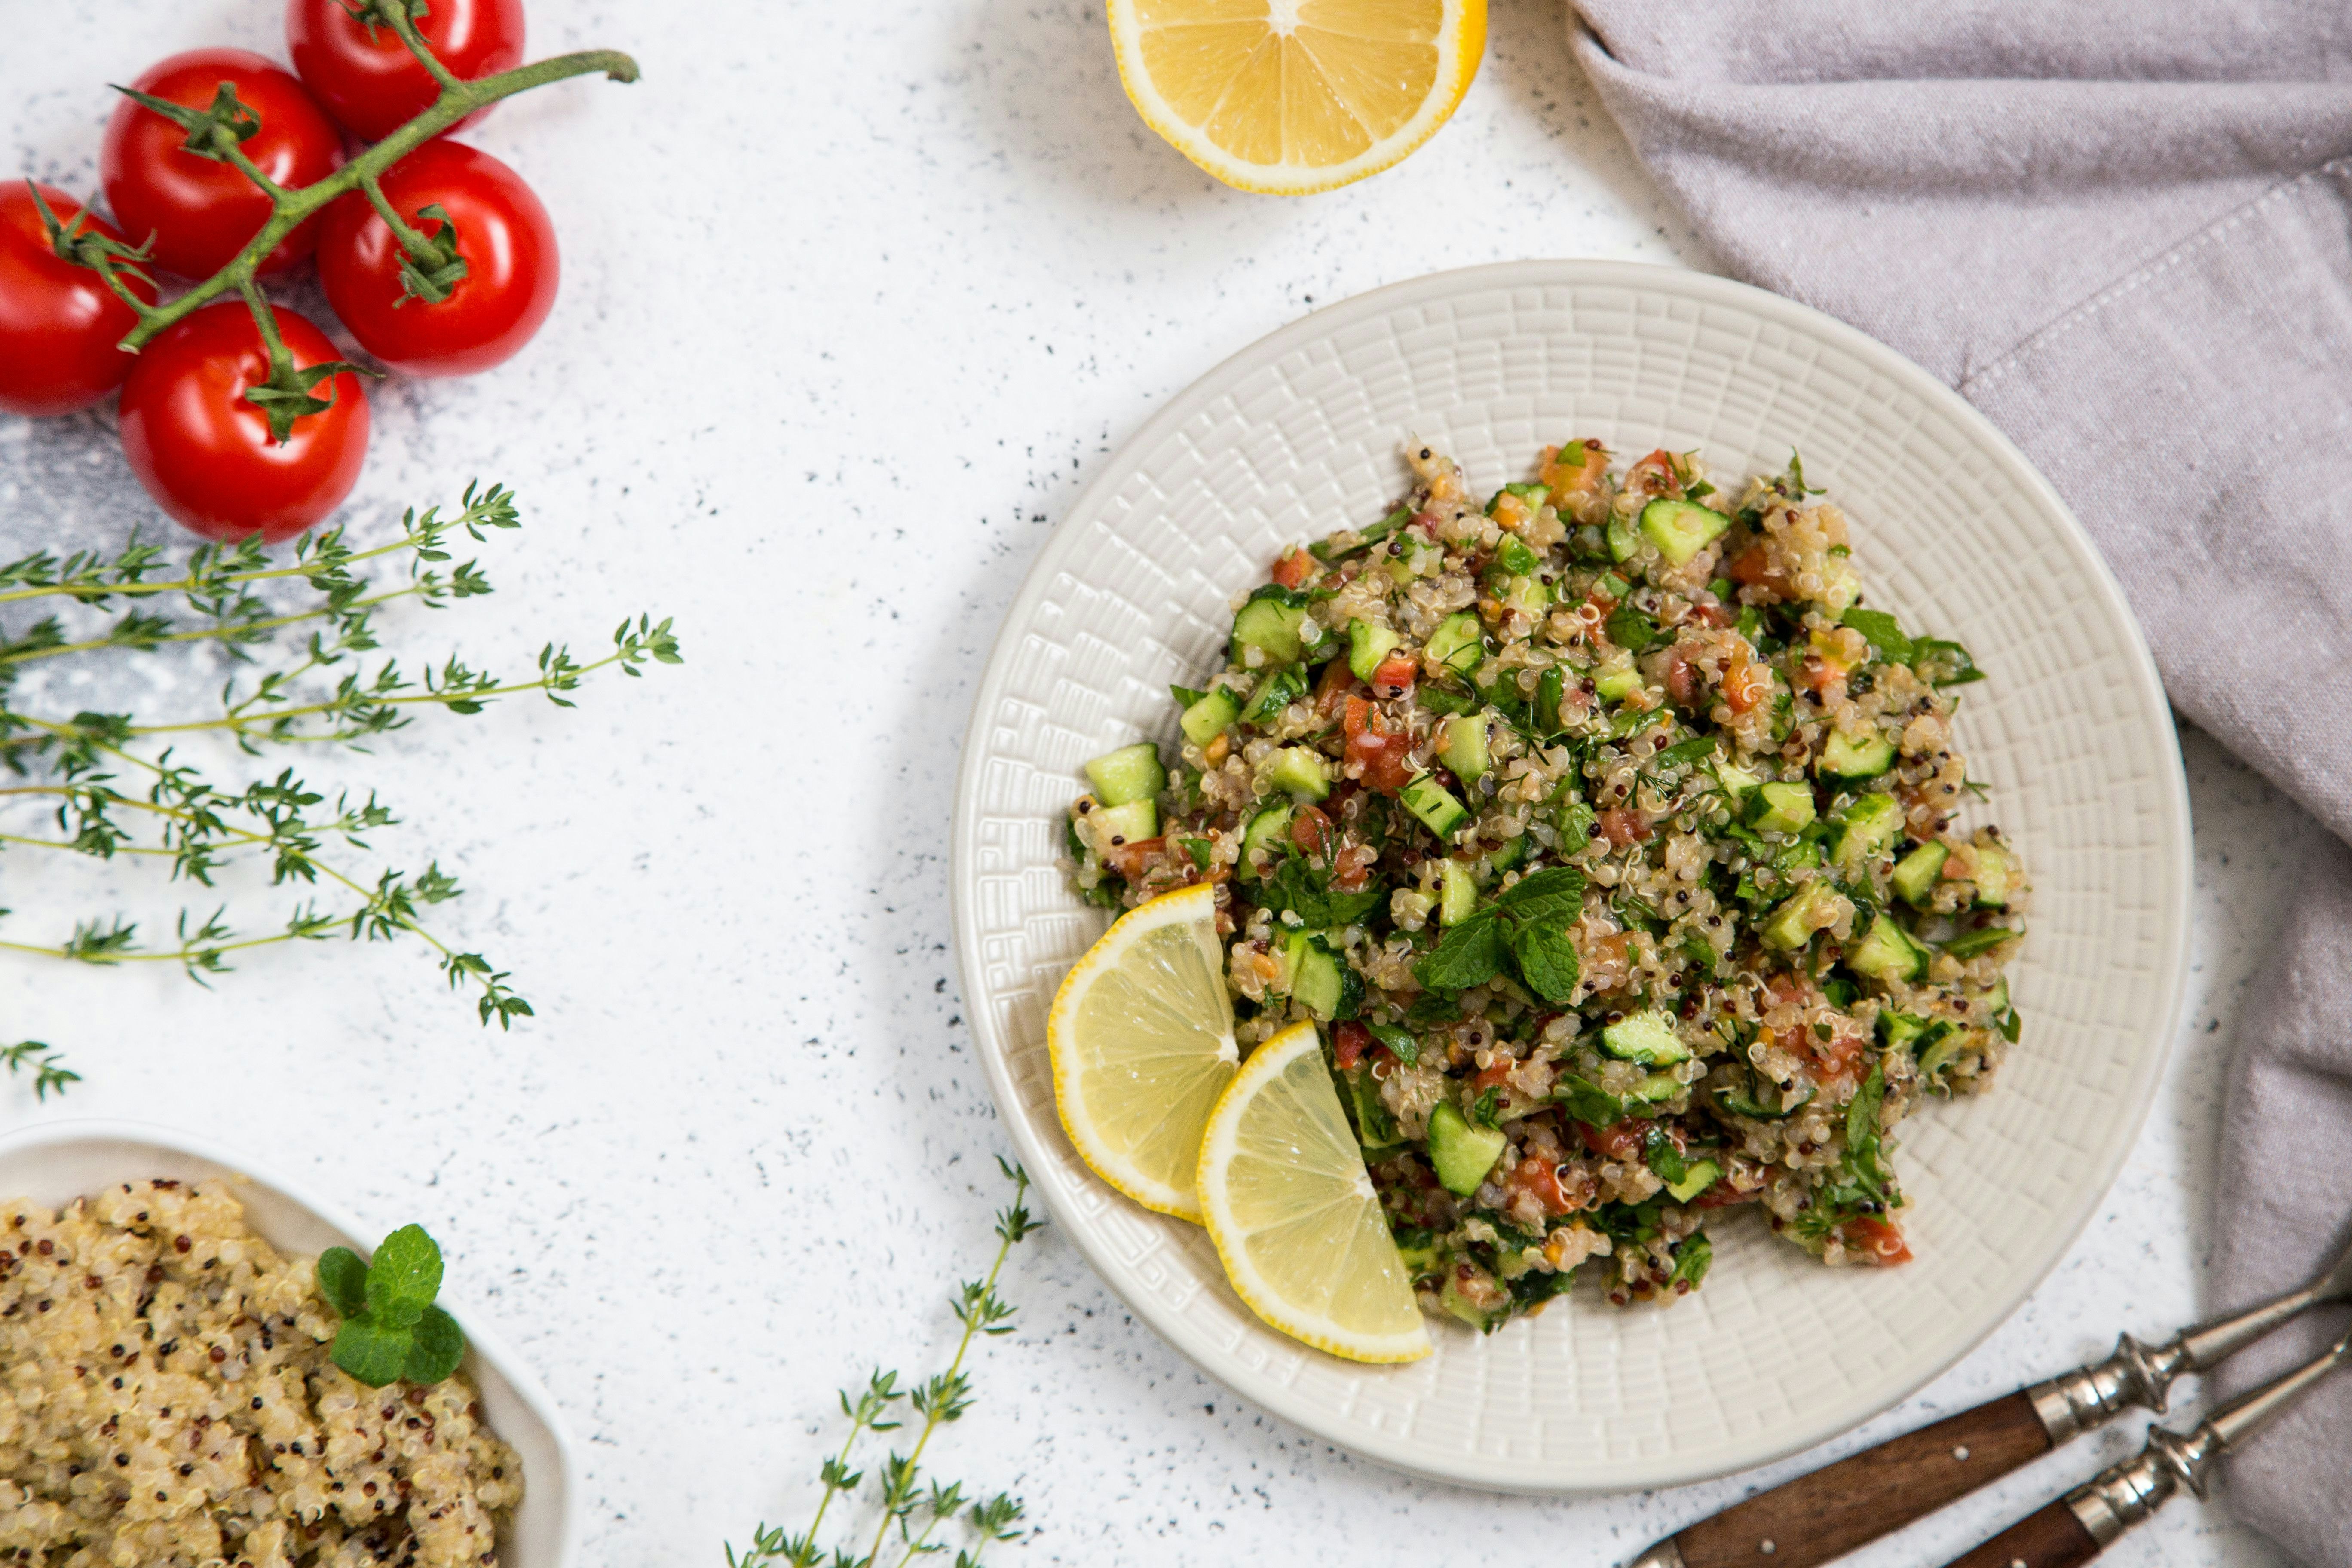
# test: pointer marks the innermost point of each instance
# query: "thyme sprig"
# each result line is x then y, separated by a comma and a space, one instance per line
118, 786
907, 1495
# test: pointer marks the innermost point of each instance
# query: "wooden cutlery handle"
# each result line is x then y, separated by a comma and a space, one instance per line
2054, 1538
1832, 1511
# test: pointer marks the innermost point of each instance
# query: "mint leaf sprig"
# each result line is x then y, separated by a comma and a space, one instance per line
391, 1331
906, 1492
1528, 926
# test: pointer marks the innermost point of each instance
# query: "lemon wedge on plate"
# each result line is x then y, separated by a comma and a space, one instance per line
1142, 1038
1291, 97
1291, 1208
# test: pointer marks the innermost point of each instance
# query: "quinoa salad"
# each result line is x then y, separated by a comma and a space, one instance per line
169, 1401
1614, 842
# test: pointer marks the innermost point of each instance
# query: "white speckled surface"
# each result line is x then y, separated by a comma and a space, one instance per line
912, 269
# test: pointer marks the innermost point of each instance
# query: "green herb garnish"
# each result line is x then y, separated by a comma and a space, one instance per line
391, 1331
904, 1494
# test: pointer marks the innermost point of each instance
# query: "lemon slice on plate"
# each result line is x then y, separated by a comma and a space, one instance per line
1142, 1038
1291, 1208
1289, 97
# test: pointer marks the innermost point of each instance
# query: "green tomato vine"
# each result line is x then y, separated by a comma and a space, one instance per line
219, 132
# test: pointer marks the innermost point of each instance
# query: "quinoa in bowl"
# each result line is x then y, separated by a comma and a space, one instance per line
1614, 842
171, 1401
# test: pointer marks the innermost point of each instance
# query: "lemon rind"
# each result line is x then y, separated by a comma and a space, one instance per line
1379, 1350
1463, 40
1132, 1185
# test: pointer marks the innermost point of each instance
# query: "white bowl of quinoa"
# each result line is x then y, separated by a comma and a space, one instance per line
171, 1398
1310, 431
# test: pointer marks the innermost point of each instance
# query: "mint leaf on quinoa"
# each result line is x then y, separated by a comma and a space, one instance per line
391, 1329
343, 1280
1547, 961
1883, 631
1467, 955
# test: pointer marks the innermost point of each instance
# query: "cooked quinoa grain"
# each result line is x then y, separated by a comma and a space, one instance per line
168, 1404
1614, 839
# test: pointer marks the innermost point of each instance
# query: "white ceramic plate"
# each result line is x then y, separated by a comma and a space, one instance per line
58, 1162
1953, 530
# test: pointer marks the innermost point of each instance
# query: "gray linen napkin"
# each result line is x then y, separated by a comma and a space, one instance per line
2124, 231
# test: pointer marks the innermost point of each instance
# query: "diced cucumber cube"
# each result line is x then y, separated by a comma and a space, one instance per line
1624, 538
1867, 829
1280, 687
1916, 874
1262, 839
1207, 720
1321, 981
1896, 1031
1657, 1087
1459, 643
1526, 595
1647, 1038
1514, 559
1810, 909
1681, 528
1938, 1055
1458, 889
1130, 773
1698, 1177
1887, 952
1131, 823
1434, 805
1617, 681
1375, 1127
1300, 770
1367, 645
1996, 877
1736, 782
1486, 1320
1783, 807
1461, 1153
1272, 627
1461, 742
1846, 756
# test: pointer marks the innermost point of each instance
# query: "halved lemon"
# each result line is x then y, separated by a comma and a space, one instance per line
1291, 1208
1142, 1038
1291, 97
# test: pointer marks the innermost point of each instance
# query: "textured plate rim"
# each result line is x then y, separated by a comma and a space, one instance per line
1542, 1478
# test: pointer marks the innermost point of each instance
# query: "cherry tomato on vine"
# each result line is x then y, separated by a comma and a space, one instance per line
205, 454
201, 211
368, 80
504, 239
59, 322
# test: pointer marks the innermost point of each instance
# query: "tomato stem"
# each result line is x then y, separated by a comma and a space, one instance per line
292, 207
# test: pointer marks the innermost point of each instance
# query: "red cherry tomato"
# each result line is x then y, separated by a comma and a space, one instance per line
503, 236
59, 322
199, 210
369, 80
206, 455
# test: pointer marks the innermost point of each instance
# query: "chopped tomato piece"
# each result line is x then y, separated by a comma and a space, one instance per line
1395, 675
1715, 615
1745, 681
1622, 825
1295, 567
1352, 867
1377, 754
1542, 1178
1655, 475
1566, 481
1878, 1238
1488, 1077
1311, 831
1337, 682
1348, 1043
1128, 859
1723, 1195
1624, 1143
1678, 678
1754, 568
